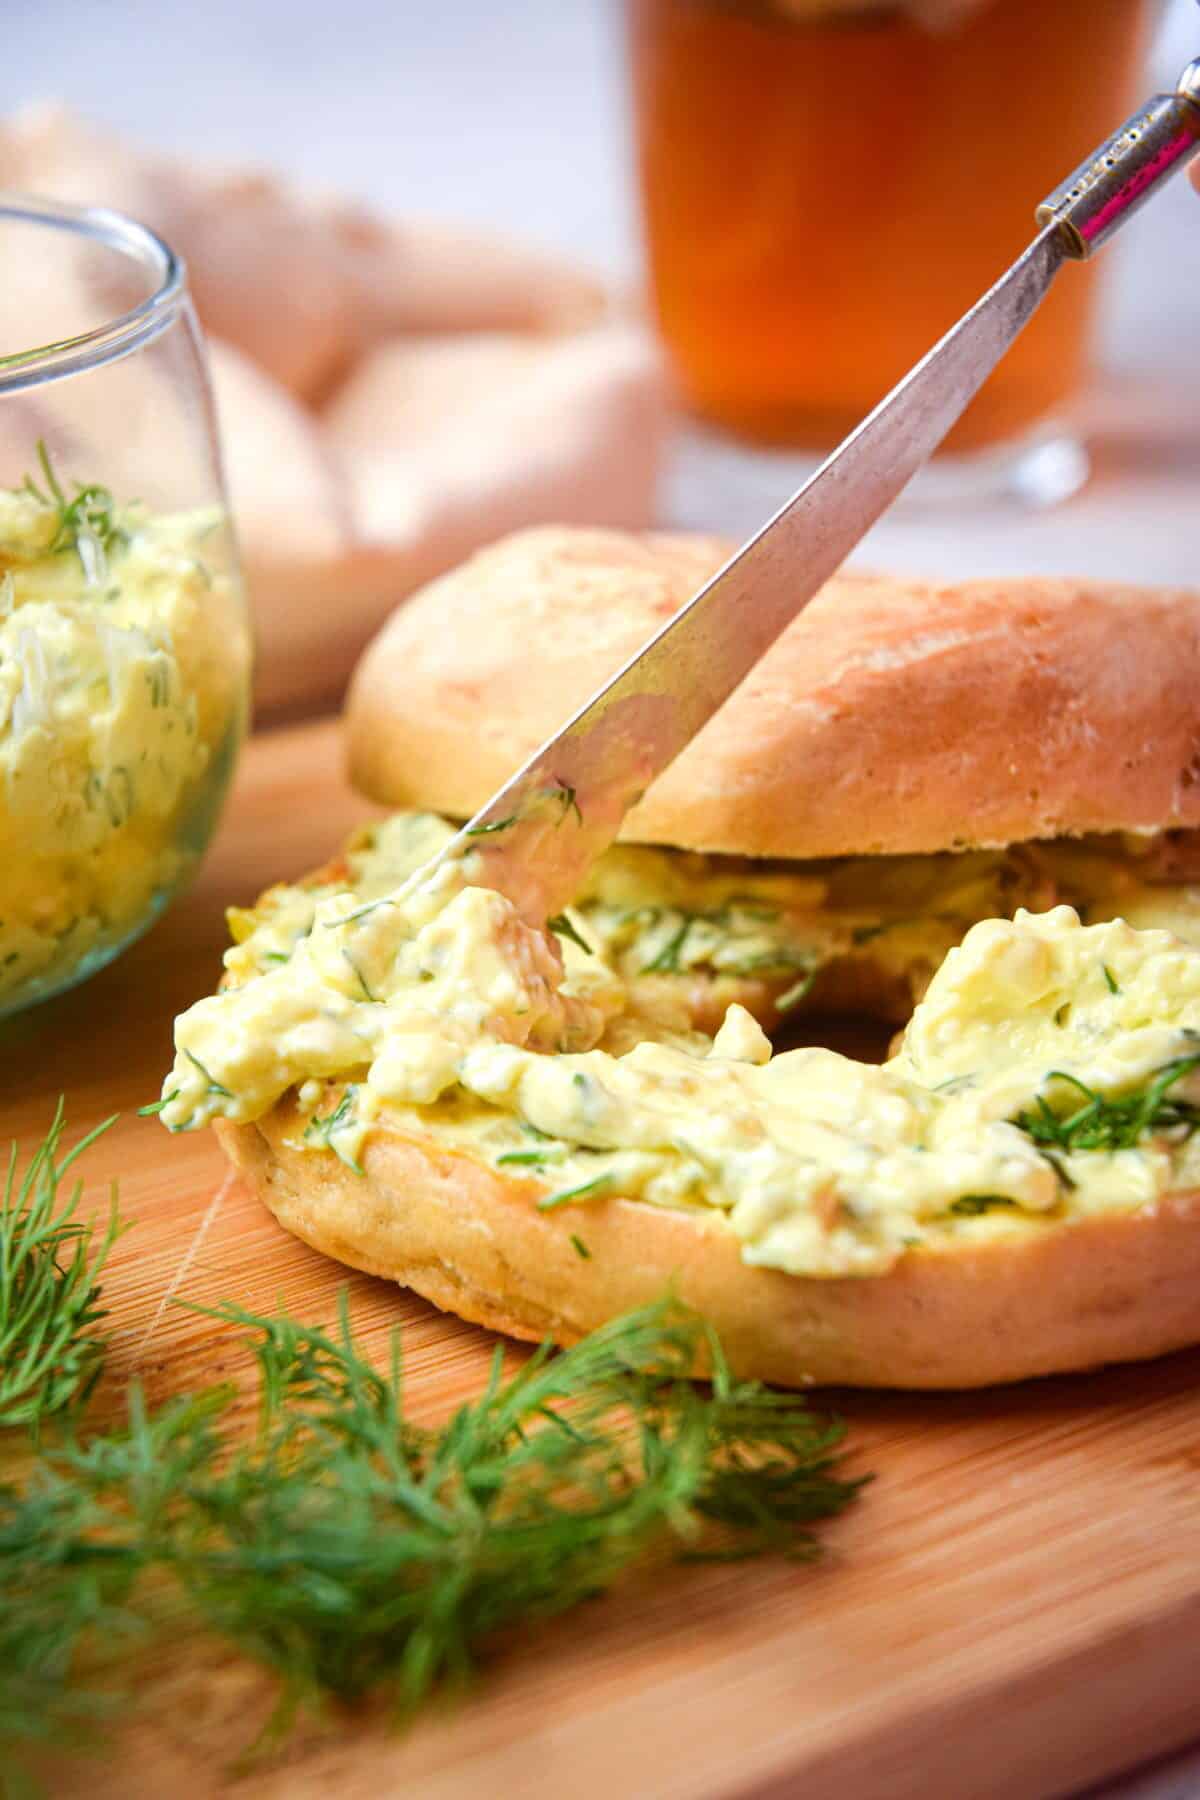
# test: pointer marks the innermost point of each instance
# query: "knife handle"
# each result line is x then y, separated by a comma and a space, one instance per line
1094, 201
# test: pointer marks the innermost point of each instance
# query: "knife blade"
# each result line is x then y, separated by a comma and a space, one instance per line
537, 836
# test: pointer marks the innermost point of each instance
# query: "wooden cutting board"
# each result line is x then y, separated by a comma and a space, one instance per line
1013, 1609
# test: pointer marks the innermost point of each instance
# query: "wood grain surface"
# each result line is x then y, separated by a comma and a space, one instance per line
1013, 1609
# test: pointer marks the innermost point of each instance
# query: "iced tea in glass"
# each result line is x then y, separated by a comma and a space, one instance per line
828, 184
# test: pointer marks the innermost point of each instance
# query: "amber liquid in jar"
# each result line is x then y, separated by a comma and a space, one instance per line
827, 188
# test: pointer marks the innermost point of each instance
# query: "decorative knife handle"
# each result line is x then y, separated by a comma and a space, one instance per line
1094, 201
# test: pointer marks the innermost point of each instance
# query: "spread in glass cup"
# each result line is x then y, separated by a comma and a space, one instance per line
124, 666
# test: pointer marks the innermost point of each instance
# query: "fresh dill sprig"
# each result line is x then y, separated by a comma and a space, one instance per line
88, 523
64, 1587
1102, 1123
345, 1548
356, 1554
50, 1263
93, 1518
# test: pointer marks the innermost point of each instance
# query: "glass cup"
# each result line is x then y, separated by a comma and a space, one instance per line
124, 640
828, 184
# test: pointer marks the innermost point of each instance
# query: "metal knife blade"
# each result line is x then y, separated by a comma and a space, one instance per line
536, 837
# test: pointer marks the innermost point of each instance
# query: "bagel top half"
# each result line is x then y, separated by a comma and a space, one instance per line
893, 716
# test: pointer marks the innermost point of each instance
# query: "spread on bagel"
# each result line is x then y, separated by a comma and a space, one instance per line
972, 799
705, 931
445, 1001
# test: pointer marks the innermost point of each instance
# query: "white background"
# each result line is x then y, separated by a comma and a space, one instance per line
510, 113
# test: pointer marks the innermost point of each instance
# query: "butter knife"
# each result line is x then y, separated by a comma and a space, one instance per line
537, 836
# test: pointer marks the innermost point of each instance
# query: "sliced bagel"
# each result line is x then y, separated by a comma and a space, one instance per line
907, 761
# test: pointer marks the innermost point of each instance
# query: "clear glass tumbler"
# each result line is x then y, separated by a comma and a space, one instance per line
828, 184
124, 639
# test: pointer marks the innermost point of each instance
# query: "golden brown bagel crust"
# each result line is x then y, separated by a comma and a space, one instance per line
894, 716
1061, 1297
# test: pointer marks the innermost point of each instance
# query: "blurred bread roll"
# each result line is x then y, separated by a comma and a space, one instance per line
303, 283
462, 438
391, 395
283, 484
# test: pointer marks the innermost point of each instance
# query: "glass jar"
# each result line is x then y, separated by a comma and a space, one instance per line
828, 184
124, 640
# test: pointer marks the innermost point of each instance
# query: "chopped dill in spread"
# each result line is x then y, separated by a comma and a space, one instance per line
88, 524
970, 1206
329, 1131
584, 1190
791, 997
818, 1164
214, 1087
532, 1159
360, 977
1105, 1123
563, 926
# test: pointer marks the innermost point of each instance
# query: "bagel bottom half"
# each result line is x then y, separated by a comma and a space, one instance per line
1052, 1298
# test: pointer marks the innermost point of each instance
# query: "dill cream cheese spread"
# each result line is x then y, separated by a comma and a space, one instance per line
444, 1007
123, 670
658, 914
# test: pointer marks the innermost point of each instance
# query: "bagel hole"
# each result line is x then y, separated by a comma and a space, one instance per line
863, 1039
